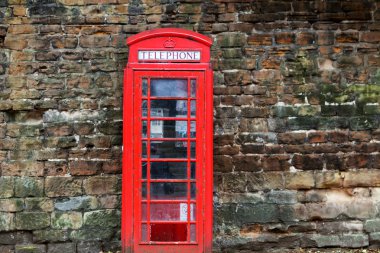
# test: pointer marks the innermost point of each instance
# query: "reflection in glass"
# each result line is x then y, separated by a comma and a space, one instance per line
168, 190
167, 108
168, 87
143, 190
144, 149
168, 129
144, 232
144, 87
171, 149
193, 88
168, 170
193, 233
168, 212
193, 107
193, 190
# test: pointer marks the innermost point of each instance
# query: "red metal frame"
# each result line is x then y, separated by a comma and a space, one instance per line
132, 138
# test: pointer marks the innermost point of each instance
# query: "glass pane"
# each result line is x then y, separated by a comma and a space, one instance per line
144, 149
144, 232
183, 213
168, 212
168, 190
170, 149
193, 170
168, 129
193, 234
143, 211
176, 232
192, 150
193, 129
193, 105
168, 87
165, 108
193, 87
143, 191
193, 190
168, 170
145, 87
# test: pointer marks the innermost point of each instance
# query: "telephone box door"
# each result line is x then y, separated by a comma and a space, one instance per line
168, 188
167, 182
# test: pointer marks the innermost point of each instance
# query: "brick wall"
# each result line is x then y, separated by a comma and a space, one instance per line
297, 139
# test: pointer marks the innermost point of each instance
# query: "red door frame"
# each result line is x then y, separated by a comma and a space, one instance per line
132, 137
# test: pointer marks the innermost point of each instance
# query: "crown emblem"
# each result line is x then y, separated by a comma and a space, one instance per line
169, 43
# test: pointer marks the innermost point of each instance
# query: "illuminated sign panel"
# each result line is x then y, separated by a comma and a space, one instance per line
150, 55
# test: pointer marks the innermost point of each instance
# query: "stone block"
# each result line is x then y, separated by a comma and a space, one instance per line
11, 205
94, 41
29, 187
93, 234
265, 181
299, 180
88, 247
223, 163
61, 247
281, 197
234, 182
293, 213
354, 240
6, 222
12, 238
30, 248
374, 238
231, 40
76, 203
328, 179
82, 168
6, 187
32, 220
260, 213
102, 218
24, 168
372, 225
62, 186
47, 235
98, 185
326, 240
7, 249
247, 163
362, 178
66, 220
260, 40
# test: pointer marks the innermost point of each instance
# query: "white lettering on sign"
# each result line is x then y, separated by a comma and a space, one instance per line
169, 55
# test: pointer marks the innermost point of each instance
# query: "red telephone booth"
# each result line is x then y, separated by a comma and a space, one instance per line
168, 141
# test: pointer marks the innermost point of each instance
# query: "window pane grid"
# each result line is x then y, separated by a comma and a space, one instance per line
149, 231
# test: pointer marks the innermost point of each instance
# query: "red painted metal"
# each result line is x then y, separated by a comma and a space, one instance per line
141, 231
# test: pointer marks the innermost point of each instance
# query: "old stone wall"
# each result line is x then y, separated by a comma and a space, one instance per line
297, 139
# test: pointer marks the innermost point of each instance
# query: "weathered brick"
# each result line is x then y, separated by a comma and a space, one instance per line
63, 186
299, 180
359, 179
102, 185
32, 220
260, 40
6, 187
29, 187
11, 205
6, 221
61, 247
66, 220
30, 248
103, 218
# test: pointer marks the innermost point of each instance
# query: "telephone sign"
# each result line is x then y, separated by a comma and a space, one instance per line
168, 141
